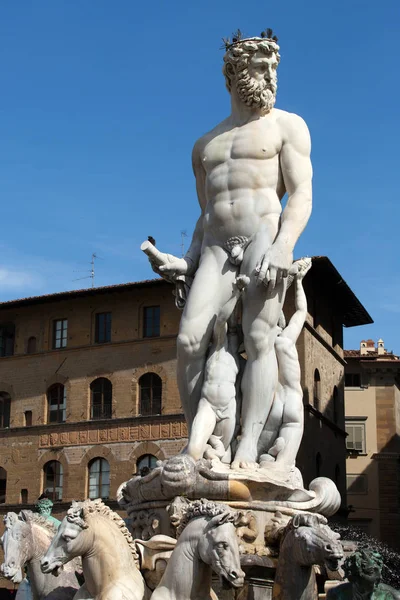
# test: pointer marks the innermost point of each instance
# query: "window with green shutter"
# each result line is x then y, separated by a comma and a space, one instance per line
355, 441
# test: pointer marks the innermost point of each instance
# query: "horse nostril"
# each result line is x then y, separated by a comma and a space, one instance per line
234, 575
328, 547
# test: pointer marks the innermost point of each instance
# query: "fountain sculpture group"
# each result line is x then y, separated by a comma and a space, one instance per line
233, 503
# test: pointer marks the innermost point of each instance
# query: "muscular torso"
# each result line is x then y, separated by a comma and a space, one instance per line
220, 378
288, 361
243, 179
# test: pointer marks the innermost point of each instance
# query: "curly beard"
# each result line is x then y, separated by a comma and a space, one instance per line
255, 93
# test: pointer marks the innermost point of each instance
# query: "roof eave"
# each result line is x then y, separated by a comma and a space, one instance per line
352, 311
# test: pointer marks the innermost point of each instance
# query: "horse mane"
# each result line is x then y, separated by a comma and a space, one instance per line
200, 508
79, 510
31, 517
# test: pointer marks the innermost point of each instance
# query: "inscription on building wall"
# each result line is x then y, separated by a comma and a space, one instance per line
114, 433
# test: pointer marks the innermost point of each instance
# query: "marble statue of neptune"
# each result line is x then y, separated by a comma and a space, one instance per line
243, 169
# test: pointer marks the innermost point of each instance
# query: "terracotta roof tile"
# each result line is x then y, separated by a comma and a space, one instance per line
389, 356
351, 353
82, 292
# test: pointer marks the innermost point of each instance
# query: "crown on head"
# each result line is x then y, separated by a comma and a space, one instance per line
238, 38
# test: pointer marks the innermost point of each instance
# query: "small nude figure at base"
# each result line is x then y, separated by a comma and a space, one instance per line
283, 430
216, 412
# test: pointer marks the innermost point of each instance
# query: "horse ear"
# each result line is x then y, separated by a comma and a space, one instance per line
238, 516
23, 516
296, 521
220, 519
224, 517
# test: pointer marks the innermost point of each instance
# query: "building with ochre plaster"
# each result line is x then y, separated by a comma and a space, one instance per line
372, 406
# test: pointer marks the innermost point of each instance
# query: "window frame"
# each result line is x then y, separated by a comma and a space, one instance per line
103, 331
104, 413
317, 390
61, 405
353, 424
58, 479
102, 474
349, 376
28, 418
150, 388
149, 458
3, 485
5, 410
64, 334
7, 339
31, 345
151, 323
357, 477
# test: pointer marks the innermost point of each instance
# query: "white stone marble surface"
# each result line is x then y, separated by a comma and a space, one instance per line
243, 168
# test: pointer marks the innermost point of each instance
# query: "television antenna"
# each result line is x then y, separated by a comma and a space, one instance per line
91, 270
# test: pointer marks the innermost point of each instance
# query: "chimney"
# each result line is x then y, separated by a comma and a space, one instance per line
381, 347
370, 346
363, 347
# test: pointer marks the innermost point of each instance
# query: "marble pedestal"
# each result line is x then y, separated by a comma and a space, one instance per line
263, 500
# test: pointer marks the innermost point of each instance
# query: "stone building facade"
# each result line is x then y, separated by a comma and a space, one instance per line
88, 392
77, 397
372, 406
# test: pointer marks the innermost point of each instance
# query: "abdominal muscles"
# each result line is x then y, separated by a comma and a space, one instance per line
240, 194
219, 394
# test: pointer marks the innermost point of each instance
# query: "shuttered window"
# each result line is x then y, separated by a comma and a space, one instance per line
357, 483
355, 440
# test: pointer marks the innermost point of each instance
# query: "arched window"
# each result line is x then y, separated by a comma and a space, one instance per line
53, 480
57, 403
99, 478
318, 464
31, 346
3, 485
101, 399
5, 406
145, 464
317, 390
150, 386
335, 400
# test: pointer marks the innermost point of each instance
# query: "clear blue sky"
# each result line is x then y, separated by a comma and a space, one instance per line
102, 101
